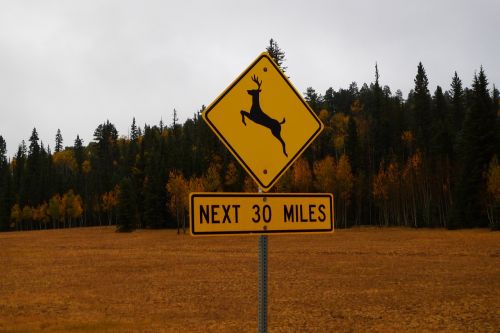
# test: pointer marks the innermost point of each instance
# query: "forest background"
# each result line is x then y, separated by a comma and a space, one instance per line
427, 160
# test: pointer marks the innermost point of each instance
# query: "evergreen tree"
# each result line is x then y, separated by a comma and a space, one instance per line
79, 151
5, 187
313, 99
457, 105
379, 144
328, 100
352, 144
477, 147
19, 174
105, 157
59, 141
421, 109
134, 132
155, 178
46, 179
175, 118
496, 108
33, 171
127, 206
441, 140
276, 54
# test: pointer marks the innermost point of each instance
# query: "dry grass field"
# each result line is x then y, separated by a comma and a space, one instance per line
357, 280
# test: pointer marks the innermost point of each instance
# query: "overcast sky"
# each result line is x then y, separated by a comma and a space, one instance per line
74, 64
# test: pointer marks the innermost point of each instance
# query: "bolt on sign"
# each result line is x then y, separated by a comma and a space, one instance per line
263, 121
260, 213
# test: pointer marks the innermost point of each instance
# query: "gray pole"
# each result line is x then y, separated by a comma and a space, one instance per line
263, 284
262, 321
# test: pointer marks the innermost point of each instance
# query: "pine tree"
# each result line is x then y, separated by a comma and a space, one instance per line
328, 100
79, 151
276, 54
313, 99
5, 187
496, 108
46, 173
175, 118
3, 151
421, 109
441, 139
155, 178
105, 157
59, 141
477, 147
457, 105
33, 171
134, 133
378, 122
127, 206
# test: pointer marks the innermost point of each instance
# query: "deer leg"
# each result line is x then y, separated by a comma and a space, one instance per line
243, 115
283, 145
277, 134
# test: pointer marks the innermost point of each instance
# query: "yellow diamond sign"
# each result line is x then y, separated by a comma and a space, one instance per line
263, 121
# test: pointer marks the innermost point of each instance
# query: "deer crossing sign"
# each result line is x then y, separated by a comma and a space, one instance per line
263, 121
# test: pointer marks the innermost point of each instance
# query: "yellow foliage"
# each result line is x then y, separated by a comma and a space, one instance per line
27, 213
40, 213
386, 183
65, 160
344, 178
54, 208
493, 180
380, 188
16, 214
109, 199
338, 124
323, 116
196, 185
301, 175
77, 210
178, 189
324, 173
212, 179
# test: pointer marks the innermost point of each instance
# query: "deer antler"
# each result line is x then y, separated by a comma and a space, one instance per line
256, 80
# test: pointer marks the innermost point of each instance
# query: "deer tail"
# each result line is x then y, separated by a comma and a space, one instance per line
283, 121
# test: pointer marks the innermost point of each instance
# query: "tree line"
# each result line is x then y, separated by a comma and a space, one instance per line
427, 160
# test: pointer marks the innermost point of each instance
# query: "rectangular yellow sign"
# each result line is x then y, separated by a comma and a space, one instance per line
260, 213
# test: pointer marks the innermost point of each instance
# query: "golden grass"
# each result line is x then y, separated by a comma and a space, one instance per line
362, 279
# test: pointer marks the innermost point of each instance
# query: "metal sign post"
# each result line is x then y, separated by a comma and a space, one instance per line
262, 321
262, 310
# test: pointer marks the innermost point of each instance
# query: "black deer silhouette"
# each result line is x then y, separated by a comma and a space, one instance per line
259, 117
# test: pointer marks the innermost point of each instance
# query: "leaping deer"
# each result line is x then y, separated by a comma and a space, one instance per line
259, 117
